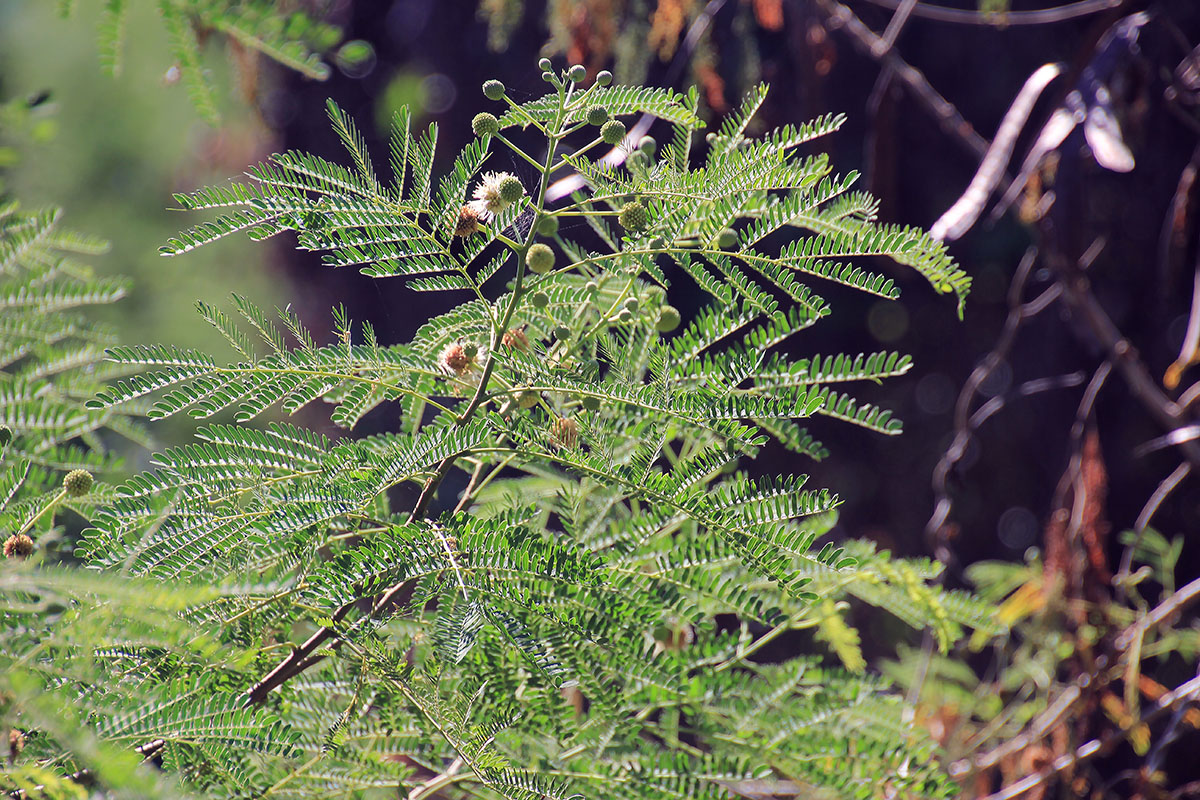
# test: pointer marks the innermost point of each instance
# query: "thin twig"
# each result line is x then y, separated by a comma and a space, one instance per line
1006, 19
448, 776
1018, 312
1037, 729
952, 122
1165, 487
1178, 599
884, 81
1085, 307
1096, 747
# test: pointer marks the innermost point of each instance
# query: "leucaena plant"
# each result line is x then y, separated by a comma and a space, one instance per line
551, 576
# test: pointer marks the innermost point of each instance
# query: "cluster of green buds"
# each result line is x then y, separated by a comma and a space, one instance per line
539, 248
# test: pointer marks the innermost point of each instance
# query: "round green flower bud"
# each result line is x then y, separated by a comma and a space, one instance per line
528, 399
590, 287
540, 258
540, 300
597, 115
634, 217
511, 189
577, 73
668, 319
78, 482
625, 316
633, 304
485, 124
562, 333
612, 132
590, 403
710, 138
657, 243
493, 90
727, 239
548, 77
470, 350
647, 144
548, 226
6, 435
544, 64
604, 77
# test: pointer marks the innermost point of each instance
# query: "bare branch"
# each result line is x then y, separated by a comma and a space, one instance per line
1006, 19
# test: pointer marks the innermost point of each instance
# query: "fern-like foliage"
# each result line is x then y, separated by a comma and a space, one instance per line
524, 590
290, 38
65, 629
51, 355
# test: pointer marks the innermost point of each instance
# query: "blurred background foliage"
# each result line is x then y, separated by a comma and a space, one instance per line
111, 150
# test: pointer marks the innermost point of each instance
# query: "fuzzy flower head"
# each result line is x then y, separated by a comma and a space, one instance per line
18, 546
468, 222
495, 192
456, 359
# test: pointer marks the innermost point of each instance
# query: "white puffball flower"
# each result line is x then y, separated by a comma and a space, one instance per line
489, 195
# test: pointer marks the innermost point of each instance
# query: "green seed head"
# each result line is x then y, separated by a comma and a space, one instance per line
540, 300
548, 226
511, 189
493, 90
590, 403
633, 304
544, 64
634, 217
540, 258
485, 124
612, 132
727, 239
668, 319
6, 435
590, 287
626, 316
647, 144
78, 482
577, 73
470, 350
597, 115
604, 77
562, 333
548, 77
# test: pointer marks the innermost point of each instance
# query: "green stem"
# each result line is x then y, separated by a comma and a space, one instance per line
58, 498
